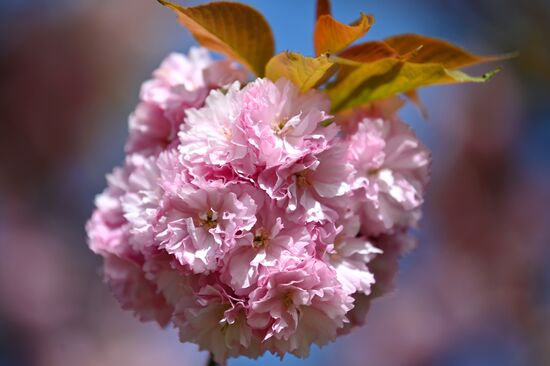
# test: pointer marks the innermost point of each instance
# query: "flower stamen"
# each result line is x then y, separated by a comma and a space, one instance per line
260, 240
373, 171
208, 219
288, 299
279, 125
302, 178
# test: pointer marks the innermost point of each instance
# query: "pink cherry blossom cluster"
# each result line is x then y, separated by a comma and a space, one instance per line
248, 219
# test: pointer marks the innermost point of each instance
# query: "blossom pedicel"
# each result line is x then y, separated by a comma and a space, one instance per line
265, 215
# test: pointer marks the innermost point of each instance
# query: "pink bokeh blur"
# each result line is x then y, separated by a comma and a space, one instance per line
475, 292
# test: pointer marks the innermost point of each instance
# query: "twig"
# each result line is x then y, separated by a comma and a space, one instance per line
211, 362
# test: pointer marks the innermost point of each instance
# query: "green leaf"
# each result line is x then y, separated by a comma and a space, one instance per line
236, 30
387, 77
304, 72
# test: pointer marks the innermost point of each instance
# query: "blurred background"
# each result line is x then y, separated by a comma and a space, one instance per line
475, 292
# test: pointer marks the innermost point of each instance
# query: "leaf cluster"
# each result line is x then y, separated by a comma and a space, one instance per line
352, 75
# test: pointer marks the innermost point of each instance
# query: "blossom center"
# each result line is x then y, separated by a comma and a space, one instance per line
208, 219
288, 299
373, 171
302, 178
260, 240
227, 133
279, 125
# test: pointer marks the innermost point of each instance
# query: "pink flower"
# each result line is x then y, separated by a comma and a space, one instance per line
384, 267
262, 247
283, 125
313, 183
150, 130
134, 291
217, 323
141, 203
264, 125
199, 227
243, 220
210, 134
391, 172
181, 82
297, 304
108, 229
350, 256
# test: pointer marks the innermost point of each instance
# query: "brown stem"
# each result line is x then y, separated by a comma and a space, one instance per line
210, 361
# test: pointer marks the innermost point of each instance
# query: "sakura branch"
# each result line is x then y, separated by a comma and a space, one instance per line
263, 214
